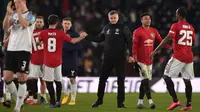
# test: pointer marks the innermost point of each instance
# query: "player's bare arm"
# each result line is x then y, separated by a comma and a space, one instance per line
82, 36
6, 21
23, 22
6, 38
161, 45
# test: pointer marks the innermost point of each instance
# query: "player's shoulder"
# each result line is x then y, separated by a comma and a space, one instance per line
174, 24
138, 30
36, 30
43, 31
153, 29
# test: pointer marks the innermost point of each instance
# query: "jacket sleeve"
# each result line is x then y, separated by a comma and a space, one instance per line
99, 38
128, 39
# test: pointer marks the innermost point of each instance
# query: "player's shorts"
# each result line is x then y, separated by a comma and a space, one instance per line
17, 61
36, 71
52, 73
174, 67
145, 71
69, 73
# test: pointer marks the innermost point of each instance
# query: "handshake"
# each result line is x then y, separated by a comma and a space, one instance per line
83, 35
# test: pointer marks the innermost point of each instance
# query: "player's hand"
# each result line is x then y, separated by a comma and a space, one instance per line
131, 59
152, 55
9, 8
83, 34
18, 5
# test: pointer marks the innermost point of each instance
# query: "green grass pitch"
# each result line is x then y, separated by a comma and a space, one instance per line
84, 102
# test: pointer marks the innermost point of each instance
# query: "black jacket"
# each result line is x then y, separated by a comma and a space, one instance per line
117, 39
69, 46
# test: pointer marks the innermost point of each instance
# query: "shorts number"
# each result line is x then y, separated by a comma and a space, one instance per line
185, 35
51, 44
23, 65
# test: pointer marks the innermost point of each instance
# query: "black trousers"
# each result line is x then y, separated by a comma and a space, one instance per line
119, 63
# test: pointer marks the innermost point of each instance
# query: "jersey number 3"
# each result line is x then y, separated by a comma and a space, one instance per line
51, 44
185, 35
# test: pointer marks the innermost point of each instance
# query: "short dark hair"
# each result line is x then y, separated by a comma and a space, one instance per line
53, 19
144, 14
67, 19
112, 12
182, 11
40, 17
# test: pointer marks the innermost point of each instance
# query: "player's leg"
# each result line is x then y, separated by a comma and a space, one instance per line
22, 78
106, 69
49, 78
188, 74
172, 69
22, 60
147, 87
58, 79
7, 103
32, 83
1, 84
1, 91
64, 86
10, 67
43, 99
73, 87
120, 66
144, 76
29, 87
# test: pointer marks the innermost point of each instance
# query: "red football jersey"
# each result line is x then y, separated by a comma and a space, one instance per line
183, 37
53, 44
37, 49
143, 44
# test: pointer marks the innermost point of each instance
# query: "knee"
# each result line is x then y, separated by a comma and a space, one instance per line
72, 80
8, 82
166, 78
8, 77
22, 77
187, 83
22, 82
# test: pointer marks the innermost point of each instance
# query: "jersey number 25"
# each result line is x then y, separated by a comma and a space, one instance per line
186, 34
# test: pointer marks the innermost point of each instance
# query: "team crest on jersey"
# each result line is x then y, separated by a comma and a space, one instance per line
117, 31
152, 35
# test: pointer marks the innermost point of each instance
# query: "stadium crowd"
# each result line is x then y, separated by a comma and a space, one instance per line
91, 16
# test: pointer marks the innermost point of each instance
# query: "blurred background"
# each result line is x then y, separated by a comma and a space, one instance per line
91, 16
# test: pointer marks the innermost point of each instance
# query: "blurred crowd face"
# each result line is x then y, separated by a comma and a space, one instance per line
113, 18
39, 23
66, 24
146, 21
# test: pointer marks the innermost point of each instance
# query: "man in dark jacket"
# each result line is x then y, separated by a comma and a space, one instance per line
117, 37
70, 60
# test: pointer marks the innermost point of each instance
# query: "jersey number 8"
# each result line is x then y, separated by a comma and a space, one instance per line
185, 35
51, 44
